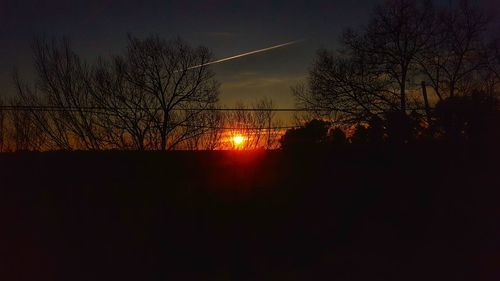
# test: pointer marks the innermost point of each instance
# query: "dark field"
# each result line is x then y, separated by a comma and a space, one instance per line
414, 213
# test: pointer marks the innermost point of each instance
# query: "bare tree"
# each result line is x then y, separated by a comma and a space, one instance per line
345, 88
370, 75
491, 74
62, 83
210, 133
256, 123
390, 44
24, 132
459, 52
380, 68
177, 82
495, 58
58, 136
154, 97
212, 138
127, 123
265, 115
2, 126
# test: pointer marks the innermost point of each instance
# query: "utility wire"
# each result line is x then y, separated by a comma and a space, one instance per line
109, 111
94, 108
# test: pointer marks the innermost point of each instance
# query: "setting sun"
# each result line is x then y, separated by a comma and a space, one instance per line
238, 141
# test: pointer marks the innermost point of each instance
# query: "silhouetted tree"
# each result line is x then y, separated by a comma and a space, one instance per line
496, 57
360, 135
337, 137
376, 130
369, 75
312, 133
24, 132
373, 74
212, 132
344, 88
158, 95
256, 122
459, 51
373, 132
2, 126
399, 31
62, 82
400, 127
128, 124
473, 117
177, 82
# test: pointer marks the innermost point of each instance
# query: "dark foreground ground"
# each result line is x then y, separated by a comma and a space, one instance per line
413, 213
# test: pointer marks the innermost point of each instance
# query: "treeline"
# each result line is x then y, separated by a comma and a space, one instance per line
472, 120
158, 95
415, 70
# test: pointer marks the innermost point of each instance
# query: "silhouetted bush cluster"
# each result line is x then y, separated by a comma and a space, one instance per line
473, 119
313, 132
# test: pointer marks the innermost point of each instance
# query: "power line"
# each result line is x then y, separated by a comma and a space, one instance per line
94, 108
109, 111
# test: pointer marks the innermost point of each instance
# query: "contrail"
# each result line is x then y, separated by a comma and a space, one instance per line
247, 54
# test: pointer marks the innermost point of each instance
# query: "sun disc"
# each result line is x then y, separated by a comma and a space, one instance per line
238, 140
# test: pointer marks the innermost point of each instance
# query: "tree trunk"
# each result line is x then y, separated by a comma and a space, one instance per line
163, 132
403, 93
452, 89
426, 102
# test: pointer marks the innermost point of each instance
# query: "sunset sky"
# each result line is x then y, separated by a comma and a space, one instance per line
228, 28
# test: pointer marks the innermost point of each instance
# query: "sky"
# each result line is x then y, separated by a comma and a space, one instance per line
228, 28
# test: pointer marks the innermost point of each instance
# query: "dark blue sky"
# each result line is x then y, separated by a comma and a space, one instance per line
99, 27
